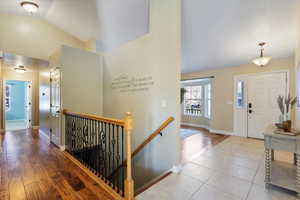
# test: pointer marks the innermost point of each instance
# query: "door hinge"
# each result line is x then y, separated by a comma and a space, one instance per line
50, 79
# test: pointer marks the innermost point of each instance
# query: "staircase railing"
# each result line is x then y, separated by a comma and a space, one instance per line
99, 144
157, 132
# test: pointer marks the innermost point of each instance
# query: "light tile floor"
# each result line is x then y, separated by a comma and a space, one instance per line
231, 170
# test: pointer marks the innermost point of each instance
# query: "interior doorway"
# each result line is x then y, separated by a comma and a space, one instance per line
55, 106
17, 101
255, 105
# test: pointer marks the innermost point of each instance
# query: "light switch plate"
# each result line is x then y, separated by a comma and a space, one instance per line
163, 103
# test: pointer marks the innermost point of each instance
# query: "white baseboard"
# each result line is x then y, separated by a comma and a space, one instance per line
62, 147
35, 127
221, 132
176, 169
195, 125
208, 128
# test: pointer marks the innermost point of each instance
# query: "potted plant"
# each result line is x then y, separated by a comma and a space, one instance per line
286, 105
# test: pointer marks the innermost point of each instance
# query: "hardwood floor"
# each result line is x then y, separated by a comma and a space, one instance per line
31, 169
199, 141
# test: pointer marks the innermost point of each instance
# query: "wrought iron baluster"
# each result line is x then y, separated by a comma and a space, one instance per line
102, 142
105, 152
118, 156
113, 154
99, 145
123, 168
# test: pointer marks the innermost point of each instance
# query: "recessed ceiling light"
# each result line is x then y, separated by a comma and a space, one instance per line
29, 6
20, 69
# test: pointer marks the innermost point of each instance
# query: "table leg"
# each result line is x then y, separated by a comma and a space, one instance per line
298, 174
272, 154
268, 167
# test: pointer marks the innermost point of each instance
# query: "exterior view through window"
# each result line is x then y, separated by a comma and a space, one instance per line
197, 100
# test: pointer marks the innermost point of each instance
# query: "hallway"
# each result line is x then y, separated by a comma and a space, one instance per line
31, 168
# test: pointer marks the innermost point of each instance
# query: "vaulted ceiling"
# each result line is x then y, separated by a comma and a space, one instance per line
215, 34
219, 34
111, 23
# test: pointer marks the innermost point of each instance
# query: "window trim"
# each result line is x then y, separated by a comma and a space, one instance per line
8, 98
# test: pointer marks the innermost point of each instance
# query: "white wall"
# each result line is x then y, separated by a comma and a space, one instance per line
82, 82
156, 55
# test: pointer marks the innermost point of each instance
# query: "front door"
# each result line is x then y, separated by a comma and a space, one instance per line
263, 90
55, 107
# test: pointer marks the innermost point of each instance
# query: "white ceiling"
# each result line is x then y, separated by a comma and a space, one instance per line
219, 34
215, 34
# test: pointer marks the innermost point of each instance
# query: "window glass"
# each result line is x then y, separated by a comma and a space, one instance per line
240, 94
193, 101
197, 100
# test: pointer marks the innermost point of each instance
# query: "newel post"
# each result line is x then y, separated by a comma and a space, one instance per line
129, 183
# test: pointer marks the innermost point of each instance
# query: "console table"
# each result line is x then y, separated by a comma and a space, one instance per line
282, 174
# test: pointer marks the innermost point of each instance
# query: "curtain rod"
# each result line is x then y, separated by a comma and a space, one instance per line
198, 78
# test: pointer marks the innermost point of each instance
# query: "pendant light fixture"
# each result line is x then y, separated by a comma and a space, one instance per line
29, 6
262, 60
20, 69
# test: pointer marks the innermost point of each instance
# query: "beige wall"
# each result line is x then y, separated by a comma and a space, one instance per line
90, 45
33, 37
1, 96
81, 81
297, 70
156, 55
223, 84
44, 99
32, 75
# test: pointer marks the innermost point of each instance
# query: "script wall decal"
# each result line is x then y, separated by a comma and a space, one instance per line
125, 83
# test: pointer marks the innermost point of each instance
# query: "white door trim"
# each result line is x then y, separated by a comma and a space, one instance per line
244, 77
59, 128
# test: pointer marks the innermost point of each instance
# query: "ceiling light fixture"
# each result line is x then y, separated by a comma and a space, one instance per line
262, 60
29, 6
20, 69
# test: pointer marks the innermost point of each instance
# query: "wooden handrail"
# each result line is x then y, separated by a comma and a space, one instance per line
95, 117
147, 141
152, 136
